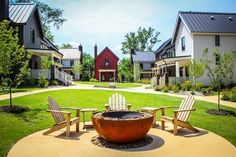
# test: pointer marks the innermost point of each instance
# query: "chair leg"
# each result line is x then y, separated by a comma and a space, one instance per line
175, 128
163, 125
68, 130
190, 127
77, 126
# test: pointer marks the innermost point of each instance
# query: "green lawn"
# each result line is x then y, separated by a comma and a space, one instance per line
20, 89
105, 84
16, 126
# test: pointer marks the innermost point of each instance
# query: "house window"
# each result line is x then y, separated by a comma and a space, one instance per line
107, 61
217, 59
217, 40
152, 65
141, 66
111, 77
183, 43
32, 35
71, 63
103, 77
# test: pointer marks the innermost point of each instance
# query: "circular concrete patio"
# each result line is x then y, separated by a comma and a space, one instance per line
164, 144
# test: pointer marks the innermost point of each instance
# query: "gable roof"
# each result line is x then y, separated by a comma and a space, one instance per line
71, 53
163, 45
144, 56
206, 22
106, 48
20, 12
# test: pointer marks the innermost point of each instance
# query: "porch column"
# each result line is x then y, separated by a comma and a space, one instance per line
184, 72
176, 69
99, 76
114, 73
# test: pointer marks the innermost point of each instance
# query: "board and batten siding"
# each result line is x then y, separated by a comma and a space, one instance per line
32, 23
183, 31
201, 41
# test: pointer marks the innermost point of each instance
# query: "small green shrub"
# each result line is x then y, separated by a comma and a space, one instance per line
186, 86
225, 95
178, 84
199, 86
31, 80
209, 90
43, 83
233, 90
93, 80
192, 92
175, 88
165, 89
233, 94
54, 83
204, 91
157, 88
144, 81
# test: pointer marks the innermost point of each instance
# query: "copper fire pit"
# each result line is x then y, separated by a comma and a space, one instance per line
122, 126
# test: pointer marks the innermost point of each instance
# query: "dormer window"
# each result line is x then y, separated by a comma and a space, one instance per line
217, 40
107, 61
183, 43
32, 35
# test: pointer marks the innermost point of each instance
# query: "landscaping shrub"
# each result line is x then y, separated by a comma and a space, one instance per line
199, 86
31, 80
206, 90
233, 94
54, 83
175, 88
157, 88
186, 86
93, 80
144, 81
43, 83
165, 89
178, 84
225, 95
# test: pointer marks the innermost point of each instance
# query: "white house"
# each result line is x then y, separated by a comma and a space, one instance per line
193, 32
71, 57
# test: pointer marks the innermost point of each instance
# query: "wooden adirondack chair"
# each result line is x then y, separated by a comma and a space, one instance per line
180, 116
117, 102
59, 118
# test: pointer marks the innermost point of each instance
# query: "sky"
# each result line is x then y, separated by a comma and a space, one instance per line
106, 22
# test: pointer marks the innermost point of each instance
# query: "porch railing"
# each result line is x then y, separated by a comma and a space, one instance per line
36, 73
63, 77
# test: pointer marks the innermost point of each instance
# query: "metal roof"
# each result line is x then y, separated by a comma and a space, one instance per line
144, 56
20, 12
209, 22
166, 43
70, 53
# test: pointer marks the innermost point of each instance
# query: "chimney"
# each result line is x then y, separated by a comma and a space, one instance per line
95, 51
4, 10
131, 57
81, 51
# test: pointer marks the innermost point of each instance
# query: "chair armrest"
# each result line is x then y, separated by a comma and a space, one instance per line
185, 110
57, 111
71, 108
164, 107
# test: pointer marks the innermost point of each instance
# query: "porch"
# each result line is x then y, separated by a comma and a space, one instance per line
107, 75
170, 71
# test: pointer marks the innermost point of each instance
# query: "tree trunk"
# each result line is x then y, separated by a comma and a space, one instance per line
10, 92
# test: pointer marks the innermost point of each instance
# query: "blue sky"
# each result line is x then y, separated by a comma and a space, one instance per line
106, 22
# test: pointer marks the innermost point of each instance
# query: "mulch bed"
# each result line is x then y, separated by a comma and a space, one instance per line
15, 109
222, 112
100, 142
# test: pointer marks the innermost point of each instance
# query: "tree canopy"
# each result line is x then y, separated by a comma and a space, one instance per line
142, 40
88, 67
125, 71
66, 46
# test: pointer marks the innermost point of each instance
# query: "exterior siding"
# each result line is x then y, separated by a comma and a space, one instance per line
227, 44
188, 41
34, 24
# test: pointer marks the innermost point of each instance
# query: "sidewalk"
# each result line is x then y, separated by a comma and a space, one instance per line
142, 89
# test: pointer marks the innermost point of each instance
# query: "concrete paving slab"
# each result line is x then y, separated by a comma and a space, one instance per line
186, 143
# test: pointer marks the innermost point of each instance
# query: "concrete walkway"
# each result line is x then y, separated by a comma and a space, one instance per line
165, 144
142, 89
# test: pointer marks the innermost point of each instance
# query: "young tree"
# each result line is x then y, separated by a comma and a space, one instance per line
88, 67
137, 72
46, 62
143, 40
49, 16
13, 58
77, 69
195, 70
125, 71
219, 71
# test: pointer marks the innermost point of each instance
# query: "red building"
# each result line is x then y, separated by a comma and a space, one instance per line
106, 67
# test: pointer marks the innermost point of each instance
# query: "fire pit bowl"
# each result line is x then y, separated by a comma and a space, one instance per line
122, 126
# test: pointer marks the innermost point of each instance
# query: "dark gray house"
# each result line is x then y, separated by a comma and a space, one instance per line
26, 17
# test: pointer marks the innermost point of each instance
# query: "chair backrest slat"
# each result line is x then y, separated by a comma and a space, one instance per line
117, 102
52, 105
186, 104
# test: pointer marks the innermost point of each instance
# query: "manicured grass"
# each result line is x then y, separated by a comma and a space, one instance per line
16, 126
106, 84
20, 89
